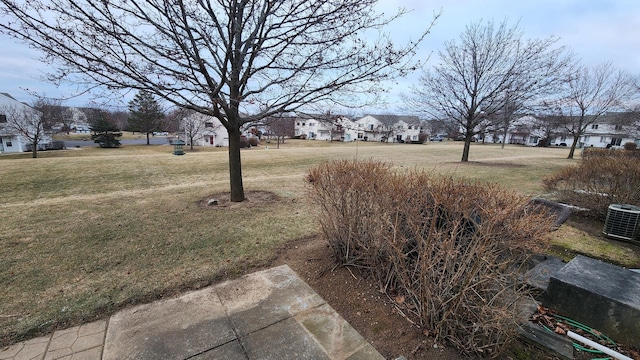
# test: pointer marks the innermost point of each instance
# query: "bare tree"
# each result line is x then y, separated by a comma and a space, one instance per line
52, 112
507, 115
473, 75
30, 123
588, 95
67, 119
280, 126
388, 126
191, 125
549, 126
119, 118
171, 122
240, 61
332, 120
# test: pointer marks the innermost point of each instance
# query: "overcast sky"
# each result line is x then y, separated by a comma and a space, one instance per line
596, 30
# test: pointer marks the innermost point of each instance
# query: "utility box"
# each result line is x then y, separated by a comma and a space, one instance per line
603, 296
623, 222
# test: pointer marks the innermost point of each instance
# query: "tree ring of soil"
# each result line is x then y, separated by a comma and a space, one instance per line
252, 198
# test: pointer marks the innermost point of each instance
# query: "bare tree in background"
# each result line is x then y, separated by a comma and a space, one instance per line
52, 112
331, 119
469, 83
191, 125
549, 126
171, 122
507, 115
119, 118
240, 61
33, 122
388, 126
281, 126
588, 95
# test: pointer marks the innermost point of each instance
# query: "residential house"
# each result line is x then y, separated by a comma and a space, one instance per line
203, 130
324, 127
11, 140
610, 130
389, 128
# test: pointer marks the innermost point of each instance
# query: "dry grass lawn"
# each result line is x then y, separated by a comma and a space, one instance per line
86, 232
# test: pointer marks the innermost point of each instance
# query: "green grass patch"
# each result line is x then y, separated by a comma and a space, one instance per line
572, 239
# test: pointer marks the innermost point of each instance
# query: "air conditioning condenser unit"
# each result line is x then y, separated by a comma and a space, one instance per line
623, 222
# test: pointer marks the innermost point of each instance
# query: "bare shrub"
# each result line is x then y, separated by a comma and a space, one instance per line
602, 178
351, 197
244, 142
448, 250
630, 146
253, 141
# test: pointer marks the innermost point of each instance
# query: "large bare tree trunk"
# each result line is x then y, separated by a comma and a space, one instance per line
465, 151
235, 166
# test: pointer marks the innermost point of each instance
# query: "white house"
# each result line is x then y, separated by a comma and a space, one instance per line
12, 111
389, 128
203, 130
322, 127
79, 122
610, 130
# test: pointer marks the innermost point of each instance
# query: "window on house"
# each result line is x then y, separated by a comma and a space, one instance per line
360, 136
618, 127
563, 138
409, 128
602, 139
3, 118
585, 138
616, 141
298, 123
9, 143
594, 126
312, 124
302, 124
371, 127
208, 124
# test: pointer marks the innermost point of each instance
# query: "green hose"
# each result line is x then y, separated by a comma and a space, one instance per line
591, 331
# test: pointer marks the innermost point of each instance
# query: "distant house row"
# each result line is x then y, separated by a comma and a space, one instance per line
610, 130
607, 131
385, 128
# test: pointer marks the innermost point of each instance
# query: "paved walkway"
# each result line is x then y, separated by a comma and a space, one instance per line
271, 314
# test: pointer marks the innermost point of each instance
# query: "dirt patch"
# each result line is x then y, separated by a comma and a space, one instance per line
252, 198
354, 295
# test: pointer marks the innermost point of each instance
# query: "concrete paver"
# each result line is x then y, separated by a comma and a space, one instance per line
169, 329
271, 314
26, 350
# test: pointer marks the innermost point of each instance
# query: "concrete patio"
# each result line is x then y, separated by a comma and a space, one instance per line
271, 314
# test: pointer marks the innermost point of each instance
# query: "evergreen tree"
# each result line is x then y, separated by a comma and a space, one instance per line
105, 133
145, 114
